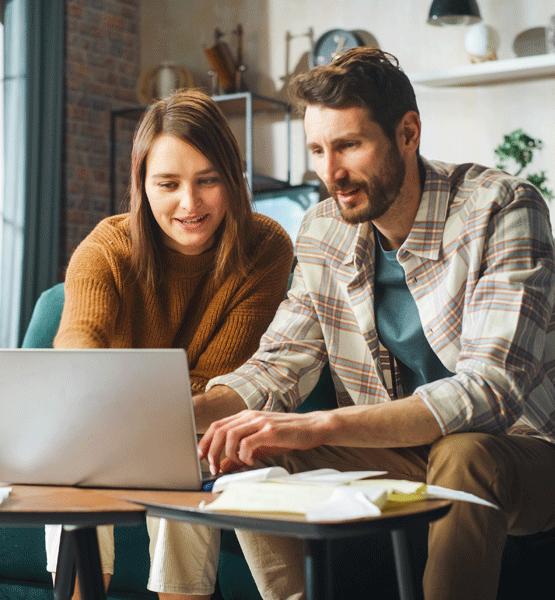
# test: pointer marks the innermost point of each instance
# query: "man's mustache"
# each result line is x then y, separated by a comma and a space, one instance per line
345, 185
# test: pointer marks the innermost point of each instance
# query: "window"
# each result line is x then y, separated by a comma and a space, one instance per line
32, 92
1, 124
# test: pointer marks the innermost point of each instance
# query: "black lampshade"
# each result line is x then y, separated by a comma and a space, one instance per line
454, 12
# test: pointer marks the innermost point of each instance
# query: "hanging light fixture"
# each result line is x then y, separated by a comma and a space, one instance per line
454, 12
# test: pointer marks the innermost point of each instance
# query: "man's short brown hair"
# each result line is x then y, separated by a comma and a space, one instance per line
364, 77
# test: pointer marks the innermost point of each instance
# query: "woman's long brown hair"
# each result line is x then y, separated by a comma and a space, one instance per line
193, 117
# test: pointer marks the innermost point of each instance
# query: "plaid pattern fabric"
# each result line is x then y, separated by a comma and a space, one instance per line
479, 262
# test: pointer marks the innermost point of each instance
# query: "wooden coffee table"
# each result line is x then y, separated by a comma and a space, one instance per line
79, 511
317, 536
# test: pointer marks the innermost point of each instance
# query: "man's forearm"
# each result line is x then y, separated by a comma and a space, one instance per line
401, 423
219, 402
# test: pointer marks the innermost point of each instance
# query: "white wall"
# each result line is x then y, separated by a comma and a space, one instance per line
459, 124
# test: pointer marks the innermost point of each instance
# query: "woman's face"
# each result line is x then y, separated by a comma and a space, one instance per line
186, 194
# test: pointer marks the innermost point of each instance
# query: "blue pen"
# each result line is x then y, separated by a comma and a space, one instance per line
207, 487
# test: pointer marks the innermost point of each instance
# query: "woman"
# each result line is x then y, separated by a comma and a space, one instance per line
190, 266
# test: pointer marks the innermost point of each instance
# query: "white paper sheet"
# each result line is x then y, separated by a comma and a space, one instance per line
348, 502
436, 491
4, 493
331, 476
394, 486
252, 476
279, 474
269, 497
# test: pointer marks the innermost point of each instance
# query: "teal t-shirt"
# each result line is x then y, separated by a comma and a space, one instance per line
399, 326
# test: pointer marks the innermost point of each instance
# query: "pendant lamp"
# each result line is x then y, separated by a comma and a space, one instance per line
454, 12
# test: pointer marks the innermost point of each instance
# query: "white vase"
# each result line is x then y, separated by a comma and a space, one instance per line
481, 40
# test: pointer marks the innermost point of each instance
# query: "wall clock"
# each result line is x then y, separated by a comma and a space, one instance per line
331, 44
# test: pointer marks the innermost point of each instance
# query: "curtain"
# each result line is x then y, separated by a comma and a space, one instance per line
33, 111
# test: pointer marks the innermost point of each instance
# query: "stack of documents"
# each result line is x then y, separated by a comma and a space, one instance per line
322, 495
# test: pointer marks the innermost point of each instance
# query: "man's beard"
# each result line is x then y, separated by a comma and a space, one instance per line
380, 192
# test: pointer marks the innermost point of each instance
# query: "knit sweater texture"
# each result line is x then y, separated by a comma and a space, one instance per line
220, 327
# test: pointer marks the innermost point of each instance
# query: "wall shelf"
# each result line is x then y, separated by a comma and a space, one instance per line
497, 71
248, 104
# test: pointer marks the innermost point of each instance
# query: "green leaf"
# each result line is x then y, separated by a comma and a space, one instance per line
538, 179
518, 148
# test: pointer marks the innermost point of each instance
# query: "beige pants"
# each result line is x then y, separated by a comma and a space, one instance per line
465, 547
183, 557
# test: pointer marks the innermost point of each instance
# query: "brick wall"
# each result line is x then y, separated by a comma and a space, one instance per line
102, 70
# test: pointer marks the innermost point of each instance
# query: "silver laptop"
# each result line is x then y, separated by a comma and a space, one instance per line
98, 418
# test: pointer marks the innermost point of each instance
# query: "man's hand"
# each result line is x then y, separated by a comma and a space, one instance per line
252, 434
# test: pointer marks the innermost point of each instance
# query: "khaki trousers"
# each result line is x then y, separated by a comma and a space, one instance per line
464, 559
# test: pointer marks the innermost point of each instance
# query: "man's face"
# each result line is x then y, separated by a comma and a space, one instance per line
362, 169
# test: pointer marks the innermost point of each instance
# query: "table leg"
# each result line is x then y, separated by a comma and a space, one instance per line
65, 568
402, 564
318, 570
91, 581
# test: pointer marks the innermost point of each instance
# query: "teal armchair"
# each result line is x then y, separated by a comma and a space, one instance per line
45, 318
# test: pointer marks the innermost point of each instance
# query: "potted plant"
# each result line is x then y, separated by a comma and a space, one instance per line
519, 147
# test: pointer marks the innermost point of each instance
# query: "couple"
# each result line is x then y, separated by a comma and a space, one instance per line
430, 290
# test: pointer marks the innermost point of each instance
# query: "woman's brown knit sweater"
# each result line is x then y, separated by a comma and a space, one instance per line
219, 327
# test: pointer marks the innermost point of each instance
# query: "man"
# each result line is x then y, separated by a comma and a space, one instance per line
430, 289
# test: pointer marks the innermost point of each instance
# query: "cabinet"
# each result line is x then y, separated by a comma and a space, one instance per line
247, 105
242, 104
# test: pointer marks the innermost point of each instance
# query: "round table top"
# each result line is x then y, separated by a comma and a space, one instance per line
185, 506
42, 505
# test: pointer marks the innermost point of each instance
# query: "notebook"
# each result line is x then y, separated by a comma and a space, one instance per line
98, 418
